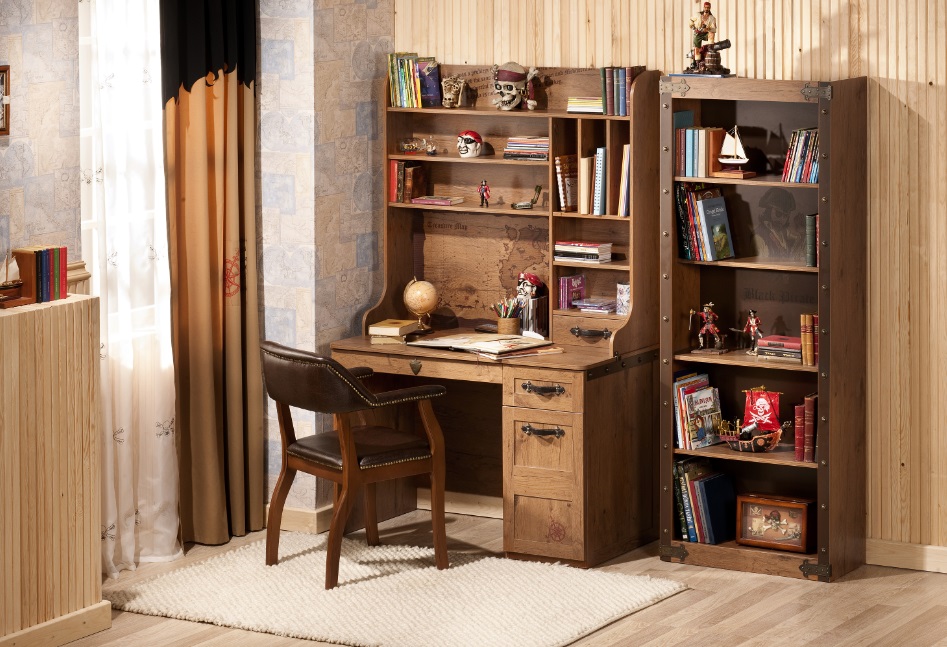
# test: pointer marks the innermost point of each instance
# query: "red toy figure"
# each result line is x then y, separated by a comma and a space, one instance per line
484, 192
752, 328
709, 325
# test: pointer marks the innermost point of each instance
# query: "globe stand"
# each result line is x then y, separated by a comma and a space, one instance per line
420, 299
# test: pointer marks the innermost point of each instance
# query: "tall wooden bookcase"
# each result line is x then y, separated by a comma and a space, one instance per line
779, 288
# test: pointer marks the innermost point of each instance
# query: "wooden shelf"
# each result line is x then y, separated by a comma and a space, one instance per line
621, 266
749, 559
573, 312
488, 110
758, 263
782, 455
759, 180
453, 158
472, 207
740, 358
572, 214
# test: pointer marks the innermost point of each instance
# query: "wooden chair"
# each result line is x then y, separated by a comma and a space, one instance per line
355, 457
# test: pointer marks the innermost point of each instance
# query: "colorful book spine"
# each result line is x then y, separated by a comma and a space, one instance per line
799, 430
808, 449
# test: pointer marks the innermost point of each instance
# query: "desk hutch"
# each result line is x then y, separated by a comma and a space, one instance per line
566, 440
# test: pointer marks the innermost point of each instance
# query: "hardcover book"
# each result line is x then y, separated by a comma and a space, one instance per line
429, 76
780, 341
393, 327
715, 228
702, 409
443, 200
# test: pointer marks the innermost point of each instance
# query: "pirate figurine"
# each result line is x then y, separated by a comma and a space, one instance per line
708, 320
752, 328
704, 26
484, 191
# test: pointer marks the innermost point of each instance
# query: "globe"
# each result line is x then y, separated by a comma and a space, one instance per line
420, 298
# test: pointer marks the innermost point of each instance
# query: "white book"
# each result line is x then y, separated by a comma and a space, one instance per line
598, 190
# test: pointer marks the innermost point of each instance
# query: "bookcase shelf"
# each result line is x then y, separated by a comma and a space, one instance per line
474, 254
769, 275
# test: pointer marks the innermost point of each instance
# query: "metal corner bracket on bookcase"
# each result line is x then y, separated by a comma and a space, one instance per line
674, 87
677, 551
819, 570
817, 92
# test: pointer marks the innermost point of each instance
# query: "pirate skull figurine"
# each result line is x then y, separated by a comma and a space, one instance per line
453, 89
469, 144
514, 85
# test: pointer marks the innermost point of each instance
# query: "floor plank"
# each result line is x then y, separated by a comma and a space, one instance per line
874, 605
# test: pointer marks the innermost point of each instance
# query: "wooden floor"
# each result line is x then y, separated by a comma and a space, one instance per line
872, 606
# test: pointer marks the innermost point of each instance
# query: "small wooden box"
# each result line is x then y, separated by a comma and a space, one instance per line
775, 522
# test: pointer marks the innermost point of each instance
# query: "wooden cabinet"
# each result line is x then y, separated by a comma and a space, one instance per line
780, 286
50, 565
473, 254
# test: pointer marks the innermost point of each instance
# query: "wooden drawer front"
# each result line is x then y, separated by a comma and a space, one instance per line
562, 331
434, 367
542, 484
538, 388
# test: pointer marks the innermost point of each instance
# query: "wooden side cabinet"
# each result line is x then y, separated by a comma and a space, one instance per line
50, 564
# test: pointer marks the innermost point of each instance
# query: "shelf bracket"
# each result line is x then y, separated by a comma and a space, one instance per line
817, 92
676, 552
819, 570
674, 87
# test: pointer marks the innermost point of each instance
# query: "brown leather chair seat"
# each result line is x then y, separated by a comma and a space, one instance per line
374, 446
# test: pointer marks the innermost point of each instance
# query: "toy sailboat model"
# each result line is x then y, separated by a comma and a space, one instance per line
732, 155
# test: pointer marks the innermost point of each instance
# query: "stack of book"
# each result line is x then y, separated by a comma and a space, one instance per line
703, 224
616, 88
600, 305
582, 251
413, 81
567, 177
697, 413
805, 428
780, 347
809, 332
705, 502
697, 151
526, 148
802, 158
585, 105
571, 289
43, 271
406, 181
393, 331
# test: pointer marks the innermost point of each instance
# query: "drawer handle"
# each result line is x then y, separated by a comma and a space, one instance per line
585, 332
529, 387
530, 430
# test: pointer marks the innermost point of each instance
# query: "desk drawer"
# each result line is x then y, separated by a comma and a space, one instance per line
542, 485
590, 331
433, 367
539, 388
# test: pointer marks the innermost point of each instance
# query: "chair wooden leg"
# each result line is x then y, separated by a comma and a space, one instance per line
343, 506
437, 516
371, 518
276, 514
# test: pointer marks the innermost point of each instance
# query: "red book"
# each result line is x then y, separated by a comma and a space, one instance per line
799, 429
64, 272
609, 91
392, 180
780, 341
811, 405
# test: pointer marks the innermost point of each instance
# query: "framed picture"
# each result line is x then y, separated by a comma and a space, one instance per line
5, 98
774, 522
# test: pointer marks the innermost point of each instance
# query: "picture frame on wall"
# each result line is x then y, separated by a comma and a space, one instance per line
5, 99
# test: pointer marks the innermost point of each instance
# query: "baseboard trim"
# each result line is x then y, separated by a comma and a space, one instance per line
918, 557
64, 629
475, 505
305, 520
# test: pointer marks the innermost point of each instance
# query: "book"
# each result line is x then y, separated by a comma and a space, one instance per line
810, 406
585, 186
715, 227
598, 183
481, 343
609, 91
526, 352
780, 341
414, 184
720, 499
702, 411
437, 200
808, 345
799, 430
678, 501
393, 327
702, 506
815, 338
429, 75
770, 351
571, 289
811, 241
694, 469
682, 387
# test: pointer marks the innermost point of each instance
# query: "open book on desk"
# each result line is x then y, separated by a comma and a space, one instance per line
485, 344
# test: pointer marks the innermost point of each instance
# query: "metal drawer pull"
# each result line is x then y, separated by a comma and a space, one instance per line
543, 390
530, 430
585, 332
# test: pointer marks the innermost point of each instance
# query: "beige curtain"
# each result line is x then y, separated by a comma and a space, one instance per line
209, 163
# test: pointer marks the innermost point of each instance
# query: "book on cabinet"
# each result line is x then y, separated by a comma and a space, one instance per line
769, 273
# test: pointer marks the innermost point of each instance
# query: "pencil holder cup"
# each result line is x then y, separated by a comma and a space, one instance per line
508, 325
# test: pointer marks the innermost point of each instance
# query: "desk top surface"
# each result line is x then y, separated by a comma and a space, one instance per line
573, 358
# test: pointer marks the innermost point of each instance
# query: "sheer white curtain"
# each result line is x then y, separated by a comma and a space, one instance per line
124, 245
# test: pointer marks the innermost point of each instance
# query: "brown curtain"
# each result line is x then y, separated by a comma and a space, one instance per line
209, 125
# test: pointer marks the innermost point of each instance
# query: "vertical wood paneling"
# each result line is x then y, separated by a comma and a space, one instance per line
49, 529
899, 45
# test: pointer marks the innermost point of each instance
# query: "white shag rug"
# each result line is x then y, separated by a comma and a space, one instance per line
394, 596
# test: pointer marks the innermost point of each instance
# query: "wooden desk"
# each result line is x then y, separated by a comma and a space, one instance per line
583, 495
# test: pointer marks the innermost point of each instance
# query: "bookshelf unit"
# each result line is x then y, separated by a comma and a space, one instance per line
473, 254
777, 283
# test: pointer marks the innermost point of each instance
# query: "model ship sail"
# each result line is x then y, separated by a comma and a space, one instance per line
732, 150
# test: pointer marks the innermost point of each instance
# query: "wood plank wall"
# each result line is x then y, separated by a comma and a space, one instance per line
900, 46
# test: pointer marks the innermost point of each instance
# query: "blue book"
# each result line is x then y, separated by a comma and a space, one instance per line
429, 74
703, 507
622, 98
715, 228
721, 501
683, 119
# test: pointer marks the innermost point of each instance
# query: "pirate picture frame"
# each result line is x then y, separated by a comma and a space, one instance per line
4, 100
776, 522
